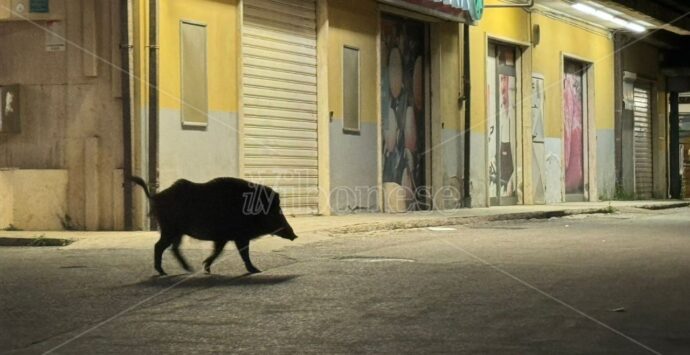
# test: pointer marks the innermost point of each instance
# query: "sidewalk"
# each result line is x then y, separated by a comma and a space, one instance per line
312, 229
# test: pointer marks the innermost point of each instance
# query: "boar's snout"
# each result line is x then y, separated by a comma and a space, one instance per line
287, 233
285, 230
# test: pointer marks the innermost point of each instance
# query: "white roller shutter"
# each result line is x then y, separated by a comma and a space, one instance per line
642, 144
279, 100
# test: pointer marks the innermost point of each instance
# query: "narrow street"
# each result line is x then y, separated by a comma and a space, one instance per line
606, 283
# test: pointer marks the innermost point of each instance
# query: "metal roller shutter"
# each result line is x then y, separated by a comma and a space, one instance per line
642, 144
280, 100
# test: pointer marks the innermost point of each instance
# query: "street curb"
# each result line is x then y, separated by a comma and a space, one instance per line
426, 221
664, 207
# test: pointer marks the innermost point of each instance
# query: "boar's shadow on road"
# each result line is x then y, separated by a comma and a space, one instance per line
207, 281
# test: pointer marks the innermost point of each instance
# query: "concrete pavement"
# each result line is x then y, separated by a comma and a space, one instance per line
584, 284
317, 228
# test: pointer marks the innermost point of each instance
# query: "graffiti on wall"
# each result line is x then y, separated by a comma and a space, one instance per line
538, 139
572, 135
403, 105
502, 142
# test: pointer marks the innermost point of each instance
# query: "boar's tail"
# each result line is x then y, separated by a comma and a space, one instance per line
139, 181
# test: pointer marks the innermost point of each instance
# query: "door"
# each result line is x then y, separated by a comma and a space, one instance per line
404, 113
642, 138
575, 129
502, 130
279, 97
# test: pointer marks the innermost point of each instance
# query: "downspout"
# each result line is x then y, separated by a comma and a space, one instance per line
618, 43
674, 142
125, 57
527, 5
153, 100
466, 186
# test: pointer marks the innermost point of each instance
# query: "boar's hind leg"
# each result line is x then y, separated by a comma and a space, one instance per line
176, 251
243, 248
217, 249
158, 249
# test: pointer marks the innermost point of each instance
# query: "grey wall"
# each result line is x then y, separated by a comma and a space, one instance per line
197, 154
452, 169
606, 166
353, 168
553, 170
478, 170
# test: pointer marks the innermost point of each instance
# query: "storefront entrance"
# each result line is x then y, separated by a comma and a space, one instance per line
502, 126
575, 129
404, 114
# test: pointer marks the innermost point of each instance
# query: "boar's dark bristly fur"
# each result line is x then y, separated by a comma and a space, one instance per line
220, 210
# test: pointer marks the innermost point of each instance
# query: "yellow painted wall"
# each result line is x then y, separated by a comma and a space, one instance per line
353, 23
450, 54
511, 25
220, 17
557, 39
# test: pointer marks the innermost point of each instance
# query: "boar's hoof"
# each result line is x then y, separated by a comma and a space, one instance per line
207, 268
253, 270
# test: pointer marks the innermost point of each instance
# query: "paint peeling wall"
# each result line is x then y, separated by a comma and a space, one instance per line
589, 45
353, 156
71, 111
199, 153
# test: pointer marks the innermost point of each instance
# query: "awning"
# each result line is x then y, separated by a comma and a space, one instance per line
455, 10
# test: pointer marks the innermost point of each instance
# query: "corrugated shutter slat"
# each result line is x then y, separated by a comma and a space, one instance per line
642, 146
279, 100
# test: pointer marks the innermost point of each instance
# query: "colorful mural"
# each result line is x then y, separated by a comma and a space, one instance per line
572, 135
501, 92
403, 104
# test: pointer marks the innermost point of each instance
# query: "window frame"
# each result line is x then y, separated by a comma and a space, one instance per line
358, 119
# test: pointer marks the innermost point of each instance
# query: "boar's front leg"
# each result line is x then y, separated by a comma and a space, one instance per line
217, 249
243, 248
176, 240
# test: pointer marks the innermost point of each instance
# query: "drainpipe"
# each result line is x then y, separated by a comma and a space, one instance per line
125, 57
153, 100
674, 142
527, 5
618, 43
466, 187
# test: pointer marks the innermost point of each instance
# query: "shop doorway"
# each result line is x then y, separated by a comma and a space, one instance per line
405, 114
575, 113
502, 123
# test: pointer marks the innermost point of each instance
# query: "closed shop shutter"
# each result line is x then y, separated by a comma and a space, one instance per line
642, 144
280, 100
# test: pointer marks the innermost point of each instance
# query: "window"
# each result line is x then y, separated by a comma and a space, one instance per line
193, 76
350, 90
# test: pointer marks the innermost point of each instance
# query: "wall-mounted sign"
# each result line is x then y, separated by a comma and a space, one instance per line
55, 36
454, 10
39, 6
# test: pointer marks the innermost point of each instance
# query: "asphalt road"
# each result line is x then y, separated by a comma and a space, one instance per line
605, 284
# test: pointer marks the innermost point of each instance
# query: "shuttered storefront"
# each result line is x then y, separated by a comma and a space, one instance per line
642, 143
280, 100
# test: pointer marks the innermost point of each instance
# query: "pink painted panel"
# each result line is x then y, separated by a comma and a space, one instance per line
573, 139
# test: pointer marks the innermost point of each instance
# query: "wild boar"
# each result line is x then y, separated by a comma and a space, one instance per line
219, 210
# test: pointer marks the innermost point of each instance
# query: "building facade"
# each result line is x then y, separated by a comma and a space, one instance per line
61, 154
341, 106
